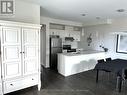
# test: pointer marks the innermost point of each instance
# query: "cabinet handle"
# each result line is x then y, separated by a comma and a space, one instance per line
20, 52
11, 84
32, 79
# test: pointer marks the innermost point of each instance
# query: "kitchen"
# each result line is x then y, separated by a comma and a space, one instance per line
64, 42
62, 39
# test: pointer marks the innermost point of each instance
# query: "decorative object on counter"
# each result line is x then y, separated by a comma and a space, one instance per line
121, 46
105, 49
89, 39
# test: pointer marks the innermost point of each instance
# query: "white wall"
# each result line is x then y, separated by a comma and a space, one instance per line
25, 12
43, 45
47, 21
104, 35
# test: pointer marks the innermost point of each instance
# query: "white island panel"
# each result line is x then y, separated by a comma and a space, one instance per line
69, 64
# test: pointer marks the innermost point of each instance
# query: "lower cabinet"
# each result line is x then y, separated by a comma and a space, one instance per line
17, 84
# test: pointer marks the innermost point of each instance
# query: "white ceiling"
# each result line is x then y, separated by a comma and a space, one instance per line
72, 9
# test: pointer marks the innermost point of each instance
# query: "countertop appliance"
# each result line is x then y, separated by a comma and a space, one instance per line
68, 48
71, 50
55, 47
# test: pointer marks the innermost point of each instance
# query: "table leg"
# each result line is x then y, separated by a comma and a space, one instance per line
119, 83
97, 76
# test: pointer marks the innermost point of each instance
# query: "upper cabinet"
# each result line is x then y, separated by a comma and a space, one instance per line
76, 28
57, 26
65, 31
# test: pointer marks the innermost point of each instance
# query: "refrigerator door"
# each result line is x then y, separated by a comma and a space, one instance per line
53, 57
55, 47
56, 50
56, 42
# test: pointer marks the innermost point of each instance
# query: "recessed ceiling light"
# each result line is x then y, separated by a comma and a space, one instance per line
83, 14
120, 10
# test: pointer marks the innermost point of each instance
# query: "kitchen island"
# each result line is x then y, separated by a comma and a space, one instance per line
73, 63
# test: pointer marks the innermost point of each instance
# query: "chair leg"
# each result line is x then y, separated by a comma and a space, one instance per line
97, 76
119, 83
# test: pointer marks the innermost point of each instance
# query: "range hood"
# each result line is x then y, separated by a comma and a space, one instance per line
69, 39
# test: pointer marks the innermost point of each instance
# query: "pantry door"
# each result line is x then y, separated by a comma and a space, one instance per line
11, 52
30, 50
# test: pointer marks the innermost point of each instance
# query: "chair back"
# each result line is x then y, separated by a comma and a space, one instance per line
108, 59
100, 61
124, 74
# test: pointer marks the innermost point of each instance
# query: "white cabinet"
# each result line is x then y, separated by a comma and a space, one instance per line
76, 35
65, 31
69, 28
73, 32
78, 62
20, 53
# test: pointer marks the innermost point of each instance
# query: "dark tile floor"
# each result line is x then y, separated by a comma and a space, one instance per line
79, 84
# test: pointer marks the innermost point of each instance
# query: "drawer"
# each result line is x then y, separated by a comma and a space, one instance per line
30, 81
14, 85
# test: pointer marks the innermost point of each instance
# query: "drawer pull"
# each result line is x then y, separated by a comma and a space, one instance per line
32, 79
11, 84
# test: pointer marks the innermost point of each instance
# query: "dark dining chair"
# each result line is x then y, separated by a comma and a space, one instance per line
108, 59
125, 73
122, 79
100, 61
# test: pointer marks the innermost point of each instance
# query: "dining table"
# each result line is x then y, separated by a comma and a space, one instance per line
116, 66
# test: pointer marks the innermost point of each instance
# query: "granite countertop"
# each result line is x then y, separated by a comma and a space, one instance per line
81, 53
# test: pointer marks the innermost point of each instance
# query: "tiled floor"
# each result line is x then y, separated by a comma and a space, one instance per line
79, 84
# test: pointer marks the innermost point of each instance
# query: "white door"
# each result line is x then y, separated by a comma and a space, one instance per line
11, 52
30, 50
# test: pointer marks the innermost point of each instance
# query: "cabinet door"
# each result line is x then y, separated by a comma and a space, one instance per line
30, 48
11, 48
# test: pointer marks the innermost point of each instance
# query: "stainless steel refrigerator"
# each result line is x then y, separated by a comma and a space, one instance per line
55, 47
